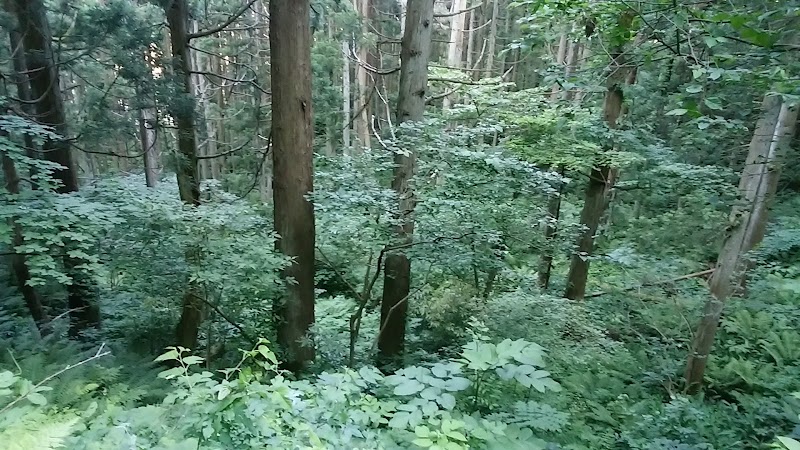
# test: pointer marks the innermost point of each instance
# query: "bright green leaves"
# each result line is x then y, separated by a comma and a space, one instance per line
449, 437
676, 112
789, 443
434, 385
482, 356
7, 379
408, 387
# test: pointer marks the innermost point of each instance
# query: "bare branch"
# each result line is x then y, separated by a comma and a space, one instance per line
222, 26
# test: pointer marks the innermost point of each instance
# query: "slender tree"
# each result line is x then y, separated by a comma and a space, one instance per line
414, 58
292, 157
148, 138
346, 96
602, 175
757, 187
363, 106
455, 47
491, 48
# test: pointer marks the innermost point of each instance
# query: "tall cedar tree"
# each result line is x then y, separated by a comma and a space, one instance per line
757, 186
19, 266
414, 57
292, 159
182, 108
42, 71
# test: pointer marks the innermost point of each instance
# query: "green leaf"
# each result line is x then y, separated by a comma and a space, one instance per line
448, 401
457, 384
7, 379
192, 360
789, 443
223, 392
422, 442
400, 420
715, 73
172, 354
710, 41
37, 399
694, 88
712, 104
677, 112
457, 435
267, 354
409, 387
429, 393
171, 373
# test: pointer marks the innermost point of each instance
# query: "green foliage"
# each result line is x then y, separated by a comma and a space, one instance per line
486, 169
254, 404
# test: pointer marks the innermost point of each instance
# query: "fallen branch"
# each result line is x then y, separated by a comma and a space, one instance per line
653, 283
100, 353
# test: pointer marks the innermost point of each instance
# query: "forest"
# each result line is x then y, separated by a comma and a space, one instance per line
400, 224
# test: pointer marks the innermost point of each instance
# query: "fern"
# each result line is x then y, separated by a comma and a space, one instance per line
37, 431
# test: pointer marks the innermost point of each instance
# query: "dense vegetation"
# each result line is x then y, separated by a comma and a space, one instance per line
382, 224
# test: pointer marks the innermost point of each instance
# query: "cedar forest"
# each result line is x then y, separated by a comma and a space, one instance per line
400, 224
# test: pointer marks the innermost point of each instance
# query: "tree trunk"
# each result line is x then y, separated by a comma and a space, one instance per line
586, 53
346, 97
601, 178
455, 46
571, 65
561, 55
414, 57
148, 138
757, 186
45, 87
43, 76
20, 77
550, 229
593, 207
492, 39
19, 266
473, 23
182, 110
261, 99
293, 138
363, 107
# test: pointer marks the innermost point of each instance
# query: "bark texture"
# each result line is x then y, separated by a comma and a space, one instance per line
293, 137
148, 138
182, 110
44, 82
42, 70
346, 97
550, 229
455, 47
183, 107
414, 58
363, 104
757, 186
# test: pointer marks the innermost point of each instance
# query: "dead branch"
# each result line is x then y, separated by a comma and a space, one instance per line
653, 283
